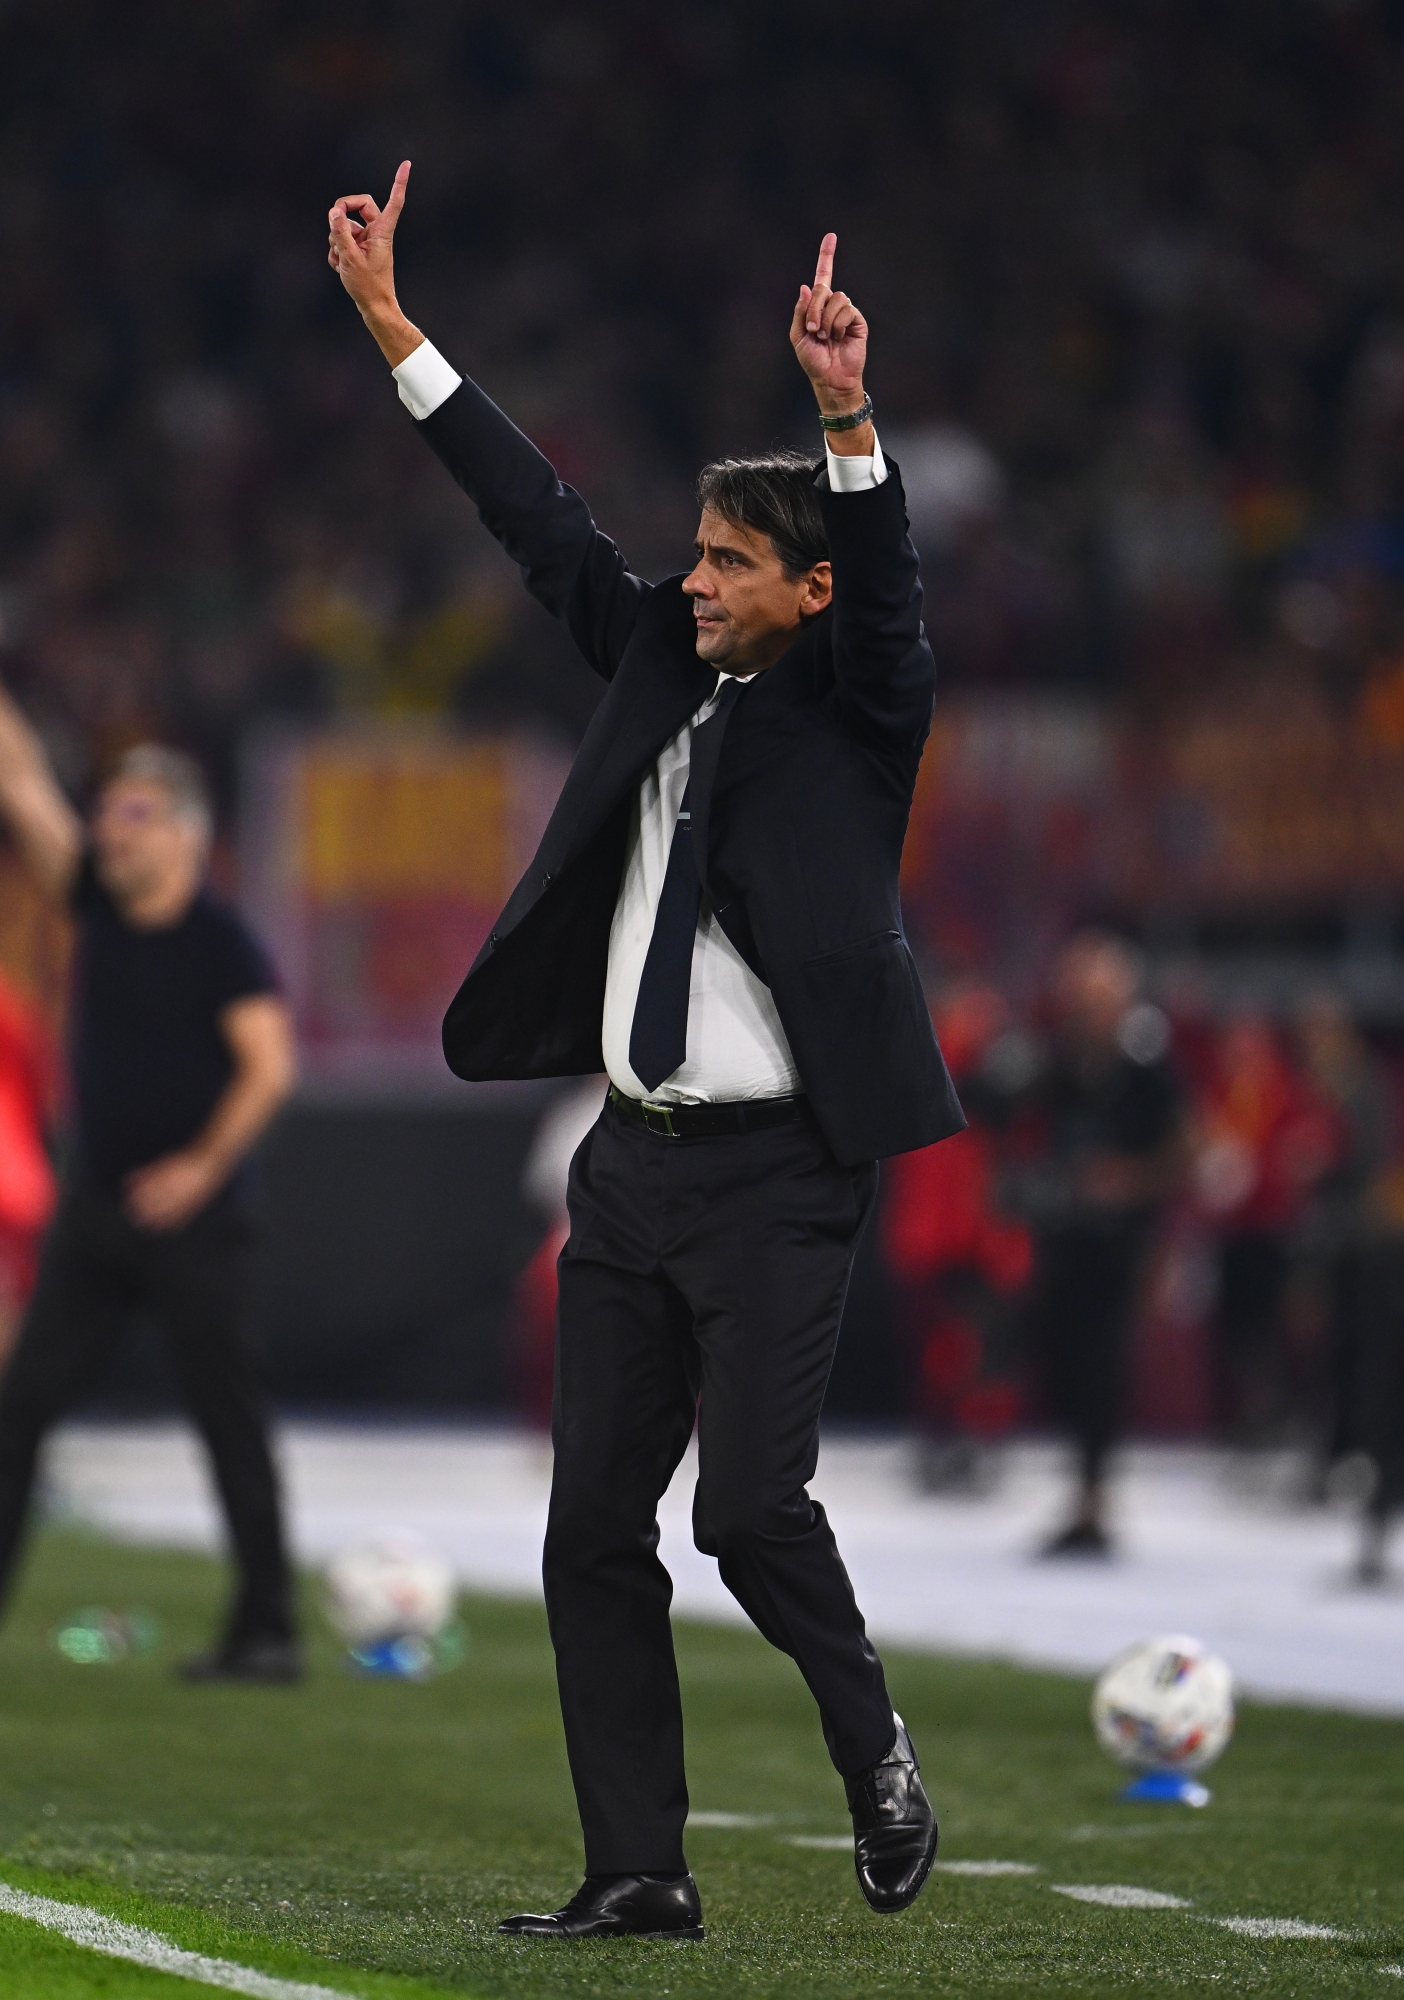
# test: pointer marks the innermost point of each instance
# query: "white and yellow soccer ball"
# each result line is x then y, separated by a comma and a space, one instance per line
391, 1586
1164, 1705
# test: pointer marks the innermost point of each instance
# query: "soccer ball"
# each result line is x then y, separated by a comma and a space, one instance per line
391, 1587
1164, 1705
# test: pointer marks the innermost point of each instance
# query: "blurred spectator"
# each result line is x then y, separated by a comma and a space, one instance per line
1265, 1137
958, 1263
1381, 1381
1348, 1220
27, 1187
1102, 1120
180, 1053
1358, 1227
1167, 551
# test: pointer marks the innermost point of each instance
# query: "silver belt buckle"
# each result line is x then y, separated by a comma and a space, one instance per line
667, 1130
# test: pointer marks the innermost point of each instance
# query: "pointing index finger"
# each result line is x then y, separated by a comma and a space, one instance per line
824, 269
397, 191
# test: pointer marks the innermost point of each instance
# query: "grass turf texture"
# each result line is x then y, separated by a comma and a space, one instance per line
367, 1835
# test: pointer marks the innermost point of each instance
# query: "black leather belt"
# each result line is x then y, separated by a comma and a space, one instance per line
710, 1121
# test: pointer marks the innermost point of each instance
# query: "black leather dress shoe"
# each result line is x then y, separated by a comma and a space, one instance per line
1082, 1539
605, 1906
272, 1662
894, 1828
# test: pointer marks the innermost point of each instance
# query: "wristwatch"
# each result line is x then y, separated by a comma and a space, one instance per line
852, 420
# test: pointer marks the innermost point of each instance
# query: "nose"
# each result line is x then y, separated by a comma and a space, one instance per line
698, 584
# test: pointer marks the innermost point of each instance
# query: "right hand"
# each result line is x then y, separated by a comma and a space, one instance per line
169, 1192
830, 337
361, 248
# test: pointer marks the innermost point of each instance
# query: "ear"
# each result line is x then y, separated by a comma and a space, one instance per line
818, 590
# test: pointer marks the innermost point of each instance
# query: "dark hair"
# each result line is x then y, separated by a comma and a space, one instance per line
775, 496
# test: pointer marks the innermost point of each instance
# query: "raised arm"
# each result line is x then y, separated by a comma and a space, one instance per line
545, 527
881, 659
47, 830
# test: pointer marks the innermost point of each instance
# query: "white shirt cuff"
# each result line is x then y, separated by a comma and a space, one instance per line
851, 475
425, 380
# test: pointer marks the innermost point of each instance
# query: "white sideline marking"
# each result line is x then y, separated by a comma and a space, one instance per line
1122, 1896
1393, 1971
730, 1819
116, 1940
1276, 1927
986, 1867
1111, 1895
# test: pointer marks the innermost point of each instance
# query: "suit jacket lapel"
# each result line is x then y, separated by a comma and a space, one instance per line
630, 726
645, 704
774, 686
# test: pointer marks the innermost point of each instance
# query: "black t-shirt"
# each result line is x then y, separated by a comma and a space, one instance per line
1070, 1108
1116, 1106
149, 1061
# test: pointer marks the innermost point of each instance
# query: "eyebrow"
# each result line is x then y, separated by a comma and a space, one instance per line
726, 548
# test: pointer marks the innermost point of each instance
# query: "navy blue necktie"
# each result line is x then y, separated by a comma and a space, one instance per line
658, 1038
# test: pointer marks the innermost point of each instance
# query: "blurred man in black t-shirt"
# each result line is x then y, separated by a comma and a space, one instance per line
1107, 1109
181, 1051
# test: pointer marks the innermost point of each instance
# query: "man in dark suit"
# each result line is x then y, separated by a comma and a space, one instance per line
713, 918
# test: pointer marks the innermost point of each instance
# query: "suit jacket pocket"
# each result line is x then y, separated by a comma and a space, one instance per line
858, 1012
875, 941
859, 1026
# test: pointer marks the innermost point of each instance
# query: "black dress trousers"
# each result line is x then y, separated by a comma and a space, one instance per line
97, 1268
1089, 1276
711, 1269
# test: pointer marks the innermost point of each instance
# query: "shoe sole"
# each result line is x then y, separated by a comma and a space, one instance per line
692, 1936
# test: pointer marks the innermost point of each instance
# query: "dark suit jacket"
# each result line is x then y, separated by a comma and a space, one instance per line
800, 831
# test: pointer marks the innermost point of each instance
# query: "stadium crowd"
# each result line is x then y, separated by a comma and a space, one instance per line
1138, 269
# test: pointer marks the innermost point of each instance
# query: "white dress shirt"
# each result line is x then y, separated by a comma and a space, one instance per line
736, 1047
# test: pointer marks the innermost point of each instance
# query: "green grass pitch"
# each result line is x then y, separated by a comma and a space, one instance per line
367, 1835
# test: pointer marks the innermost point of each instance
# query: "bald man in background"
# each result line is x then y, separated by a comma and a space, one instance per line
180, 1051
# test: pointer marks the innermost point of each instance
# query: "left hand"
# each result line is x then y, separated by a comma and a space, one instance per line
830, 337
361, 250
361, 242
171, 1191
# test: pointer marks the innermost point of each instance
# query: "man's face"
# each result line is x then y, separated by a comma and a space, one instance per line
1094, 983
142, 845
747, 609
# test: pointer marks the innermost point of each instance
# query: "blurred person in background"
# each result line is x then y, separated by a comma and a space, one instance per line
1357, 1226
1347, 1236
27, 1189
1381, 1384
180, 1053
713, 916
1264, 1138
958, 1263
1103, 1122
